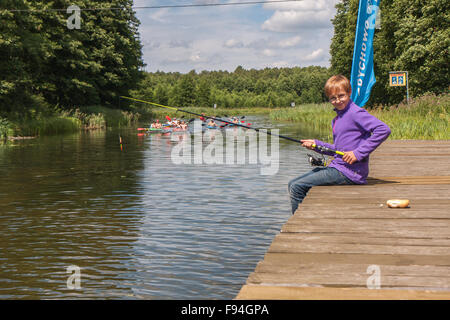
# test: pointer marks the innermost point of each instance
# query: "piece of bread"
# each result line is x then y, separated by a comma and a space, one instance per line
398, 203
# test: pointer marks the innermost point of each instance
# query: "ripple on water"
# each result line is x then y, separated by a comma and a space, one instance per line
137, 225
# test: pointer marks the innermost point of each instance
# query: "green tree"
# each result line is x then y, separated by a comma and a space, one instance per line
422, 43
414, 37
342, 42
46, 60
203, 98
161, 94
183, 93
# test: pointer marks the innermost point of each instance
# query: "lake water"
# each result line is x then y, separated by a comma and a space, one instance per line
135, 224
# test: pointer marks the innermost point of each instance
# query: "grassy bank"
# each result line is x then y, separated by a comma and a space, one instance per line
58, 122
425, 118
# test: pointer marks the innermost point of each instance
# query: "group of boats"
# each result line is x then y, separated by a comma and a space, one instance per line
176, 125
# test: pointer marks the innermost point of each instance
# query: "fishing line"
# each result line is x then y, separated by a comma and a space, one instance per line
320, 148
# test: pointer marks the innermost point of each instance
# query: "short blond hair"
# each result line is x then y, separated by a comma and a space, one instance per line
337, 82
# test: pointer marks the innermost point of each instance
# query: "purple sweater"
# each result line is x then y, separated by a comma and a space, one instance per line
354, 129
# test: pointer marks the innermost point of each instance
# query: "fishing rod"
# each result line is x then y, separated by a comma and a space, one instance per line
320, 148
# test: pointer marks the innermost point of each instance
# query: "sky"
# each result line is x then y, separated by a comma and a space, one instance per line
224, 37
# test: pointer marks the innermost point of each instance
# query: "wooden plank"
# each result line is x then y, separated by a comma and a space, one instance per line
416, 205
382, 170
310, 205
388, 187
362, 238
349, 280
334, 202
357, 189
412, 180
355, 269
337, 193
387, 231
376, 212
368, 258
258, 292
373, 224
410, 153
436, 149
380, 197
312, 247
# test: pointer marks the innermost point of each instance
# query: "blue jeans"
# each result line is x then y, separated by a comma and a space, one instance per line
299, 187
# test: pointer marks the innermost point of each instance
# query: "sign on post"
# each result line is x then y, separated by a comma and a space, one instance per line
399, 79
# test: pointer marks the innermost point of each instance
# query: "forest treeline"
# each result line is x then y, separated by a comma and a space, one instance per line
270, 87
46, 66
414, 36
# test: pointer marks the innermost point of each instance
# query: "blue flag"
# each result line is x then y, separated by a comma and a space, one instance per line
363, 76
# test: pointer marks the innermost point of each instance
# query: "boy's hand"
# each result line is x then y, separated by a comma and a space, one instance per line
349, 157
308, 143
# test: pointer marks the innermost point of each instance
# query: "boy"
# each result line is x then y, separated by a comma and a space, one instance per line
355, 132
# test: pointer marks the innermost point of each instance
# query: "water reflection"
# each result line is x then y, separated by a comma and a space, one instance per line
138, 225
65, 201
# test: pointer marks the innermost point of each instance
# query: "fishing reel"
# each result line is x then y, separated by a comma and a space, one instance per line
316, 161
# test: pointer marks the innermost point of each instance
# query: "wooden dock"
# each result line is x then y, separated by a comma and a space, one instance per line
345, 243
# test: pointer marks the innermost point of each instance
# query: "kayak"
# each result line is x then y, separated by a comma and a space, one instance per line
212, 127
158, 130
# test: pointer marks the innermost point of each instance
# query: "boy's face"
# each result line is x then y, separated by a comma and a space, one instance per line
339, 98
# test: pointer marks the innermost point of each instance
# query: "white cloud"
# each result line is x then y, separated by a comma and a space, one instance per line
206, 1
305, 5
295, 16
290, 42
160, 15
179, 43
233, 43
280, 64
292, 21
316, 55
195, 57
268, 53
221, 38
149, 44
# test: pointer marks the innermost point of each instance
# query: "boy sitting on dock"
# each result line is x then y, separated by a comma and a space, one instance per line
355, 131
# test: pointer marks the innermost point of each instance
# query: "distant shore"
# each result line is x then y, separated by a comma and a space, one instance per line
425, 118
68, 121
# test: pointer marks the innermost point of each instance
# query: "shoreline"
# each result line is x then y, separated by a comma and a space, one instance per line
425, 118
68, 121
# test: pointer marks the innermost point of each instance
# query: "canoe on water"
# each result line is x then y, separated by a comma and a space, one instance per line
155, 130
